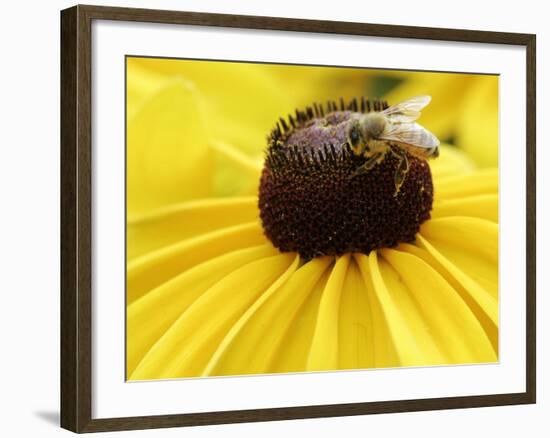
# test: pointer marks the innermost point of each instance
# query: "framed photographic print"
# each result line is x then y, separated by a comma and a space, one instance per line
267, 218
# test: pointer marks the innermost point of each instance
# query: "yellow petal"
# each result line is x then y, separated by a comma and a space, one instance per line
236, 173
154, 268
451, 162
453, 326
481, 182
480, 206
172, 224
185, 349
168, 160
460, 239
480, 301
323, 354
292, 354
355, 329
151, 315
409, 333
477, 124
465, 252
231, 94
252, 342
141, 84
383, 350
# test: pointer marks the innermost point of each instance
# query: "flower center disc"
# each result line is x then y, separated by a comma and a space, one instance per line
312, 203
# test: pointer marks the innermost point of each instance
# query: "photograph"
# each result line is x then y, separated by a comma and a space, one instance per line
288, 218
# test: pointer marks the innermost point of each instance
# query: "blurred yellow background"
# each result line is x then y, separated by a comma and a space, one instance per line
198, 129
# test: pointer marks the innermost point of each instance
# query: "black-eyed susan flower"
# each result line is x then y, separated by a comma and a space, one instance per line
316, 270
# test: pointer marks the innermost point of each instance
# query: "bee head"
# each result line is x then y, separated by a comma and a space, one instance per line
355, 138
373, 125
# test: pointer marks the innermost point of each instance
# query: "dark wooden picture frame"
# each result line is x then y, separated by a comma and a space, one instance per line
76, 218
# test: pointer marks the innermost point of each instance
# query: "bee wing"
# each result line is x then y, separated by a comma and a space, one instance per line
411, 134
407, 111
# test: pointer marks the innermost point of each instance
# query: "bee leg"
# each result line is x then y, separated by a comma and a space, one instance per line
368, 165
401, 171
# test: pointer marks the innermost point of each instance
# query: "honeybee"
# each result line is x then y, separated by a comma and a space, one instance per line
394, 131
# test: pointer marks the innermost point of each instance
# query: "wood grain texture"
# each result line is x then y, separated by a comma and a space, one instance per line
76, 219
76, 251
69, 326
299, 25
531, 213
